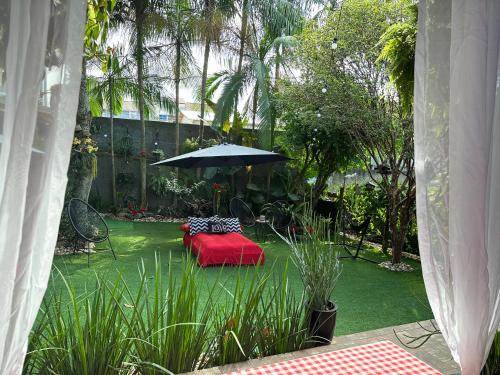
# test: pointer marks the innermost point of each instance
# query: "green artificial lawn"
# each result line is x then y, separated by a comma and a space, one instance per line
368, 296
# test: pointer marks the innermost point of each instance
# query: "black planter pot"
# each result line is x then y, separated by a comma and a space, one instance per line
322, 324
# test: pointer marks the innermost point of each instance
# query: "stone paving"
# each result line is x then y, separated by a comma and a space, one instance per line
434, 352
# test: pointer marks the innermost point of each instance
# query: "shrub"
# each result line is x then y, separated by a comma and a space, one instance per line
161, 328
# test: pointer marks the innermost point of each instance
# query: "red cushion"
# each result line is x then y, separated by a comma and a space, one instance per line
184, 227
227, 248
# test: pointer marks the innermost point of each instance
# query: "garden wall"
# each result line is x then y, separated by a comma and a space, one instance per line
127, 151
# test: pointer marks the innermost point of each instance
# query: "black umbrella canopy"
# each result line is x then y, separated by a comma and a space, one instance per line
223, 155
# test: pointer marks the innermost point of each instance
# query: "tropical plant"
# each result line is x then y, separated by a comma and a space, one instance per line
81, 333
237, 318
314, 126
398, 54
492, 365
215, 14
109, 90
315, 257
171, 330
283, 327
180, 26
80, 176
140, 19
263, 24
383, 139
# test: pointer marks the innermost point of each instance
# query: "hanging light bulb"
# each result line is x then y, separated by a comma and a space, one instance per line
318, 114
323, 90
105, 136
156, 143
334, 43
315, 129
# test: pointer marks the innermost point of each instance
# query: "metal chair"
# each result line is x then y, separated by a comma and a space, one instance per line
238, 208
88, 224
360, 229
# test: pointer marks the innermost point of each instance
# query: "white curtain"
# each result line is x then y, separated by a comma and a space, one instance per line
457, 152
40, 56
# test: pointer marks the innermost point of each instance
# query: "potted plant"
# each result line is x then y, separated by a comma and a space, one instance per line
316, 259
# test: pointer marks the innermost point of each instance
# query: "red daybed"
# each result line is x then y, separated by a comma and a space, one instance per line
227, 248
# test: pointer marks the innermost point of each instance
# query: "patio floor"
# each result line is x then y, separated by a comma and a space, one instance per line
434, 352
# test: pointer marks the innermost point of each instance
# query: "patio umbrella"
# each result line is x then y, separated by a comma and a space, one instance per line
223, 155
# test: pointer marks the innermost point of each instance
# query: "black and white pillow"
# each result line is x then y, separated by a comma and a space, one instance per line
200, 224
217, 226
232, 224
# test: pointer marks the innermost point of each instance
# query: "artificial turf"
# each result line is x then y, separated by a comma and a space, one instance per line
368, 296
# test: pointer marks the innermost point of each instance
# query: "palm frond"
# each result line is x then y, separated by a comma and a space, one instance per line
225, 105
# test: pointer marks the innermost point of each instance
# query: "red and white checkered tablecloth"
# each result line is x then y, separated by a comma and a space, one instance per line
380, 358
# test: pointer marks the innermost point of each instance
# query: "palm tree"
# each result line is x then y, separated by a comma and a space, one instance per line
109, 91
143, 22
257, 76
216, 14
263, 24
180, 26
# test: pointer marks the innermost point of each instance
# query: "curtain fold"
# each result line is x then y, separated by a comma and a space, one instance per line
457, 164
40, 55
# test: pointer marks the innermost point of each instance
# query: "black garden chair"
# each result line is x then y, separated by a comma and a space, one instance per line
360, 229
88, 225
238, 208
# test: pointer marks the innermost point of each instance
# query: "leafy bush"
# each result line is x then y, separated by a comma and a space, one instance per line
315, 257
363, 200
161, 328
492, 365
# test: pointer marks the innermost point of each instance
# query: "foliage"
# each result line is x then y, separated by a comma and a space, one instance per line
315, 257
160, 328
170, 331
163, 185
492, 365
194, 144
363, 200
81, 334
118, 82
315, 125
398, 53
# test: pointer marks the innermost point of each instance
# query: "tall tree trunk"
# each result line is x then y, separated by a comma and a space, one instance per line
386, 232
177, 74
243, 37
177, 79
204, 85
254, 108
140, 80
82, 179
112, 139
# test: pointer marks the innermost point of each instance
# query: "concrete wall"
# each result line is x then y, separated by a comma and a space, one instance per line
128, 165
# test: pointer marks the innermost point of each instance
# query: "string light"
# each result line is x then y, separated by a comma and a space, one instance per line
105, 136
334, 43
323, 90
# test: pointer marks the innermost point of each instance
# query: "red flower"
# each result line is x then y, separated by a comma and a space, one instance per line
142, 210
216, 186
142, 153
230, 323
266, 331
133, 212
